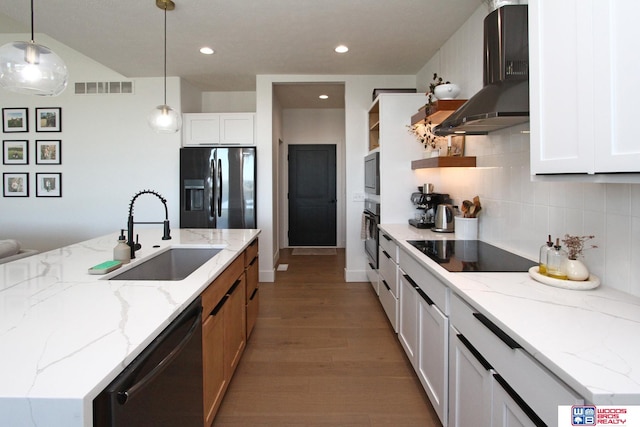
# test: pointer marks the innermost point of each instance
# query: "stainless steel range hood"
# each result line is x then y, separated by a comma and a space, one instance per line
504, 99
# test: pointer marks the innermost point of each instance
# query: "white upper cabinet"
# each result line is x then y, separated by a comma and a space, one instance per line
583, 87
218, 128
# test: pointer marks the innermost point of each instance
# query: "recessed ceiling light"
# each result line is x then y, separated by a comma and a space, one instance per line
342, 49
206, 50
324, 97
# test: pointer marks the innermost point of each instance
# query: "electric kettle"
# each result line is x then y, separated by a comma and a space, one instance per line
444, 219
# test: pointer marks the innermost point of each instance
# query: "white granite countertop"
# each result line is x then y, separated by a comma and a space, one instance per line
589, 339
66, 334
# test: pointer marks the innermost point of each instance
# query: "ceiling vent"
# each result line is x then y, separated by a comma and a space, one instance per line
103, 88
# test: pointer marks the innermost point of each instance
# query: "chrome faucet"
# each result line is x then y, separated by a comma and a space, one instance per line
167, 232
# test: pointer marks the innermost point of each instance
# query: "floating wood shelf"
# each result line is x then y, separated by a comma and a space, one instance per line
444, 162
438, 111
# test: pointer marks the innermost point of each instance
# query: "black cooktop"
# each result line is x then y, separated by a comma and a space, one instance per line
471, 256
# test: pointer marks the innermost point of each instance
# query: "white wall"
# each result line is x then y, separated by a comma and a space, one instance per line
313, 126
108, 154
228, 102
518, 214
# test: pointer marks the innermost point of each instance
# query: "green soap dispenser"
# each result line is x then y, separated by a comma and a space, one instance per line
122, 251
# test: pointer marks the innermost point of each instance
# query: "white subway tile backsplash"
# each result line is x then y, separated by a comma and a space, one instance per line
518, 213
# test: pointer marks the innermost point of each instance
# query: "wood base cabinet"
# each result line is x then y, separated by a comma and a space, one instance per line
252, 296
223, 334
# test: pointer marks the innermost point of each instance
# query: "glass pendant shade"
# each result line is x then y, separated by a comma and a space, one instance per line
32, 69
164, 119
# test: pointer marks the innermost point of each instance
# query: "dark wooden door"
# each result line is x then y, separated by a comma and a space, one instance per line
312, 195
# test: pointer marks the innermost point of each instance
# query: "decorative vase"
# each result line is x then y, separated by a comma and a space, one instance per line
446, 91
576, 270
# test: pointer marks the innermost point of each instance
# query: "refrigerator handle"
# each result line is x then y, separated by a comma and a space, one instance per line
212, 195
220, 187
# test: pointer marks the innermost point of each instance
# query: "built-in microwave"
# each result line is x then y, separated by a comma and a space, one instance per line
372, 173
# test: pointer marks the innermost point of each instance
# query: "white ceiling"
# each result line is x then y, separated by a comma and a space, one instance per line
250, 37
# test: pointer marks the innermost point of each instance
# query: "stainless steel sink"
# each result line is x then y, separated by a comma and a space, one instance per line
173, 264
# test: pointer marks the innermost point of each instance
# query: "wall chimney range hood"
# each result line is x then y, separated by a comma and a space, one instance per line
504, 99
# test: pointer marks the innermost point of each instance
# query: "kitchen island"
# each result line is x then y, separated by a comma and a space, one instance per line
66, 334
589, 340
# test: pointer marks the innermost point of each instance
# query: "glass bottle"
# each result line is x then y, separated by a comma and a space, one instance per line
544, 255
555, 261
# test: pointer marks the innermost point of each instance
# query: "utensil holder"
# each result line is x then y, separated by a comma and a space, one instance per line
466, 228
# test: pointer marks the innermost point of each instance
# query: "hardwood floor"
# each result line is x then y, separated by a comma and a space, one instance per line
323, 354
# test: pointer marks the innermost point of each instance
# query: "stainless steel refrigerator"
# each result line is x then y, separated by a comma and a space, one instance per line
218, 187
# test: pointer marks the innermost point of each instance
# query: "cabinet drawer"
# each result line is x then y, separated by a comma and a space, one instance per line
219, 287
388, 271
430, 285
390, 304
389, 246
372, 275
250, 253
524, 374
252, 278
252, 311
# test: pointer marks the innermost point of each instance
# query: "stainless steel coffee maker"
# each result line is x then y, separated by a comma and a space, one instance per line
426, 205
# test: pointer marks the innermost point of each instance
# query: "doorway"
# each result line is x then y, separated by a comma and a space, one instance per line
312, 195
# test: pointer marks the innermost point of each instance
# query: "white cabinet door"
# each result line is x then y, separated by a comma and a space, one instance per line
408, 319
583, 87
200, 129
470, 381
237, 128
508, 413
616, 34
218, 128
433, 359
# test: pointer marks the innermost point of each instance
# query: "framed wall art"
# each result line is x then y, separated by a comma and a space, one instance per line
48, 119
15, 152
15, 184
48, 185
15, 120
48, 152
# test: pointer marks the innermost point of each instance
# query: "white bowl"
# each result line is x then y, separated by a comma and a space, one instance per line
446, 91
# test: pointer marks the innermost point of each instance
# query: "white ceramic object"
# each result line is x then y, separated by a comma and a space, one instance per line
446, 91
575, 269
466, 228
574, 285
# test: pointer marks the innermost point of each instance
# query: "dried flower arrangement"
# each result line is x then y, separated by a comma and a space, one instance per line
575, 245
437, 81
423, 134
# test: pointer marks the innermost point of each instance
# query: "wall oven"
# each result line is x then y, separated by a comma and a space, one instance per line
372, 173
371, 220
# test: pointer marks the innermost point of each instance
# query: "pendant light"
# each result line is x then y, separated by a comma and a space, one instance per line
164, 119
32, 69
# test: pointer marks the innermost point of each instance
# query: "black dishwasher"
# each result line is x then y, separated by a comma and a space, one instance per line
162, 387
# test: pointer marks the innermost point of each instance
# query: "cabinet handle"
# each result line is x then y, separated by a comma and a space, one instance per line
520, 402
233, 287
253, 261
372, 267
218, 307
418, 289
386, 254
386, 237
253, 294
497, 331
485, 364
384, 282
